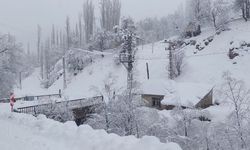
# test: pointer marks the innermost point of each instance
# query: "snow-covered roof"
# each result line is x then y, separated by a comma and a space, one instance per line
187, 94
157, 87
176, 93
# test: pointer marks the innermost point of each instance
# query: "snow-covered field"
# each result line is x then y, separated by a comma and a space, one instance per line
25, 132
206, 67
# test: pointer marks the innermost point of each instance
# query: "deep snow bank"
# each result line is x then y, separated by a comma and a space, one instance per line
19, 131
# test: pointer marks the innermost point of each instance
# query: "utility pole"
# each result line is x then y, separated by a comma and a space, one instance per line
171, 61
20, 79
127, 59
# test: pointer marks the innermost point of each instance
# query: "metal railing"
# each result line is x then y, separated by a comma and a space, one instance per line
71, 104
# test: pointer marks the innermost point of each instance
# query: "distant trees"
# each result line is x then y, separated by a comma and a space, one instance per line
89, 19
39, 34
219, 13
106, 37
150, 30
68, 33
155, 29
196, 11
82, 34
110, 14
244, 6
197, 14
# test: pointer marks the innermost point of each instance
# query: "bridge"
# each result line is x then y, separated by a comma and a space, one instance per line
80, 109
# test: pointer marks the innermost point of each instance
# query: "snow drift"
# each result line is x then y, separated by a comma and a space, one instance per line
26, 132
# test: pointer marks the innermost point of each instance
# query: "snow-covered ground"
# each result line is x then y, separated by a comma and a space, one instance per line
25, 132
31, 86
204, 68
208, 65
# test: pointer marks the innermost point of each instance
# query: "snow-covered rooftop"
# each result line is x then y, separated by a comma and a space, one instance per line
157, 87
176, 93
187, 94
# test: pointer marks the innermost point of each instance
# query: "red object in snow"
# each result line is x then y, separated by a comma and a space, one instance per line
12, 101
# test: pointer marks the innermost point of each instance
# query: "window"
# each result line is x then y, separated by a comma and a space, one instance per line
156, 102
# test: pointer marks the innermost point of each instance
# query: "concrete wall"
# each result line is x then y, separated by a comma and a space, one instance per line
148, 100
206, 102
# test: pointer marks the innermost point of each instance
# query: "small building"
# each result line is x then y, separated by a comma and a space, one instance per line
170, 95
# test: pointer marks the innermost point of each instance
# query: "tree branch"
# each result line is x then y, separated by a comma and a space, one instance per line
2, 51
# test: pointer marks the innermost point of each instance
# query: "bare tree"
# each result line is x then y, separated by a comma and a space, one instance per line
178, 61
176, 56
219, 13
53, 36
238, 96
80, 30
68, 33
4, 50
39, 32
244, 6
89, 19
42, 61
110, 14
11, 63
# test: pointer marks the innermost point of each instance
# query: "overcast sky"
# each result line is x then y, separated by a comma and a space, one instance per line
20, 17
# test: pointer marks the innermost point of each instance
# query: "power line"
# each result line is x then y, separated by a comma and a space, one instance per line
209, 54
201, 55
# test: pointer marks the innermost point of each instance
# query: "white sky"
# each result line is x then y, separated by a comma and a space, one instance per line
20, 17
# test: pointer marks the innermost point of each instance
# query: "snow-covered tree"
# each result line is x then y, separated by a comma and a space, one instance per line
68, 33
237, 94
198, 11
11, 63
219, 13
244, 6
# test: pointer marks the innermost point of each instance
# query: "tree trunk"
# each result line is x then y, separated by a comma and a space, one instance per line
243, 9
247, 9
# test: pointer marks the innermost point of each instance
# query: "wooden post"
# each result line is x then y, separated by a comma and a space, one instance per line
147, 70
60, 93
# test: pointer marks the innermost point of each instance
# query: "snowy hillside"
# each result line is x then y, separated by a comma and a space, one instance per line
171, 77
204, 67
201, 69
209, 64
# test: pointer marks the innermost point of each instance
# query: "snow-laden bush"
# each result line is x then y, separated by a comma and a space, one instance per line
77, 61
